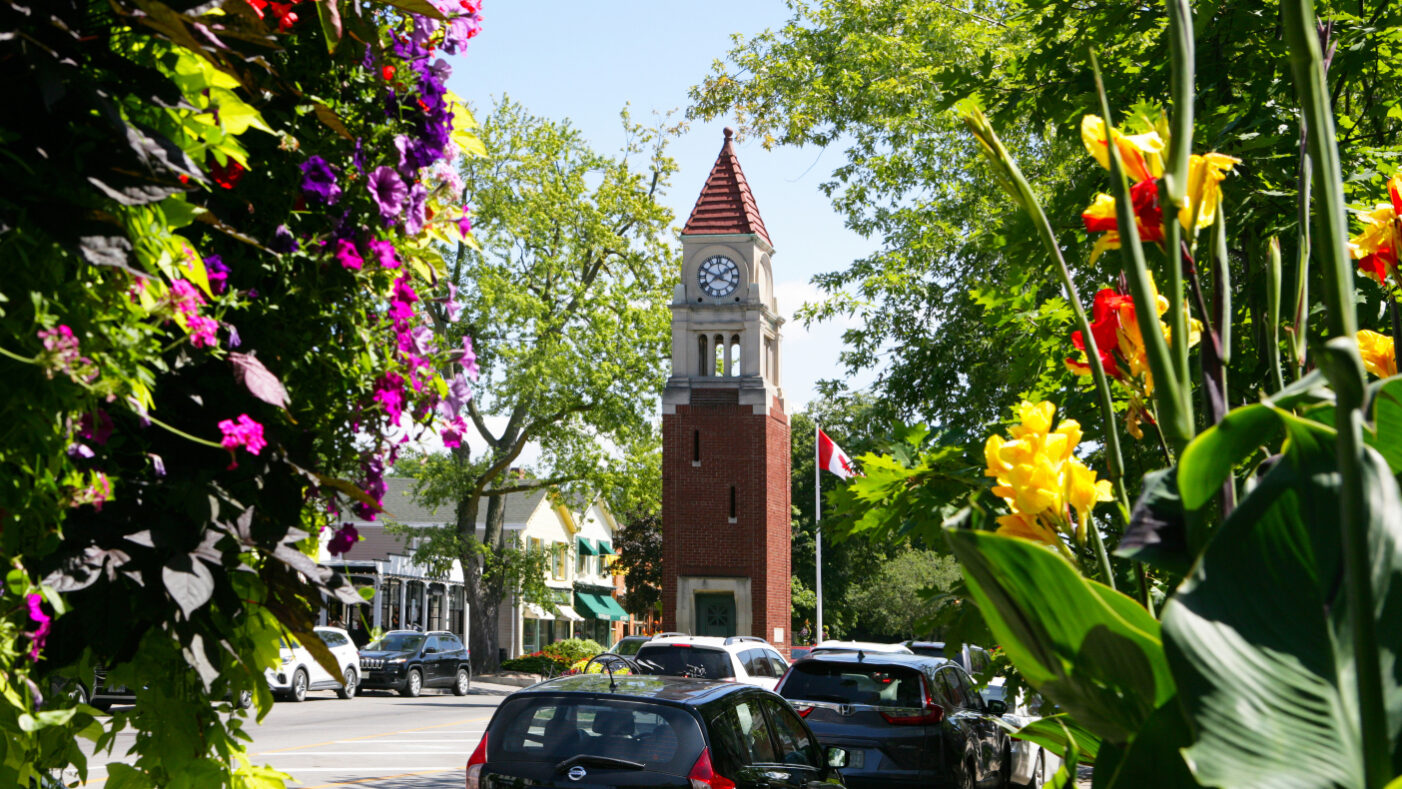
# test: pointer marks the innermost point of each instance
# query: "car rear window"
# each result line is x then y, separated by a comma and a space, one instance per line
552, 729
845, 683
684, 660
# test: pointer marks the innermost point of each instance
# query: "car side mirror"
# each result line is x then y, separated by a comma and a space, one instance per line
997, 707
837, 757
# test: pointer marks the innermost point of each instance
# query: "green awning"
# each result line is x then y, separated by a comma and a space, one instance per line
619, 615
586, 547
605, 549
599, 607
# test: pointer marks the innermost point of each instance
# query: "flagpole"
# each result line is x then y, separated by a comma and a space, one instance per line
818, 524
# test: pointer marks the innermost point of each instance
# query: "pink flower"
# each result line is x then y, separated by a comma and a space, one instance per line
347, 255
96, 427
384, 253
345, 537
401, 302
62, 353
389, 392
43, 620
185, 298
464, 224
203, 331
245, 433
452, 305
98, 491
469, 359
452, 434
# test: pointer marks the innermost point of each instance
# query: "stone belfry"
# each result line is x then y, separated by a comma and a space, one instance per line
725, 457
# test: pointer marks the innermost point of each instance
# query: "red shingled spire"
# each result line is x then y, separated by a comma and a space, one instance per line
726, 204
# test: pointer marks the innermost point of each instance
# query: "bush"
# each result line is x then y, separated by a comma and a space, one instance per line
571, 650
535, 663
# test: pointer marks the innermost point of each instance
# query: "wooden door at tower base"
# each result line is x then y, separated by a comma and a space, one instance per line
715, 614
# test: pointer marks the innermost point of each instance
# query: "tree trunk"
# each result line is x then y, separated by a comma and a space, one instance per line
484, 590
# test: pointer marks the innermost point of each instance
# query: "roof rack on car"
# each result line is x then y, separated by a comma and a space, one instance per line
670, 635
734, 639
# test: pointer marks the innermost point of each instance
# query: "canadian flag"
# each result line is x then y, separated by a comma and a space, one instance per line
832, 458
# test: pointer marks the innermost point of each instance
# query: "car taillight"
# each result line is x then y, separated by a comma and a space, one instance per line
930, 713
475, 762
702, 776
803, 710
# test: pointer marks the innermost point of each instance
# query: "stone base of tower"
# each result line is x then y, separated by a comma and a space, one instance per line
725, 519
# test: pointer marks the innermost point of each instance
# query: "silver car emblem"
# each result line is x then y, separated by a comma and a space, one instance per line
845, 709
576, 773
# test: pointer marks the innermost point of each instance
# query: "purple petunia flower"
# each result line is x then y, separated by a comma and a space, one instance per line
96, 429
218, 274
388, 191
319, 181
416, 214
389, 392
469, 359
345, 537
347, 255
452, 305
283, 242
374, 486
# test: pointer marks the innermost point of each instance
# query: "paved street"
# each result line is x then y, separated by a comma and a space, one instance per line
375, 741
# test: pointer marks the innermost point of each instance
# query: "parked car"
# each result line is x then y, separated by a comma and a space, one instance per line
905, 720
799, 653
299, 672
101, 694
628, 645
633, 731
974, 660
857, 646
746, 659
408, 661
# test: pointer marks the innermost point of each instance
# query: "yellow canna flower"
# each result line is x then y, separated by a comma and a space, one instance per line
1205, 174
1378, 352
1035, 418
1377, 246
1019, 525
1142, 154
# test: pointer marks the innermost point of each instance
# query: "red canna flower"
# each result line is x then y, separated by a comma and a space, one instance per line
226, 175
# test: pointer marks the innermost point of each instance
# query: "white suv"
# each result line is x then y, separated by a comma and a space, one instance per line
299, 672
746, 659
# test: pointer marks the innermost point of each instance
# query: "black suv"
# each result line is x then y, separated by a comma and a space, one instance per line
409, 661
626, 731
905, 720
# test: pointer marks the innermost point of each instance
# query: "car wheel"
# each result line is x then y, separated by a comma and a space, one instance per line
350, 684
1005, 769
299, 686
413, 684
966, 781
78, 694
463, 683
245, 699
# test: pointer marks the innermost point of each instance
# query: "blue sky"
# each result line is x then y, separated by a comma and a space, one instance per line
584, 62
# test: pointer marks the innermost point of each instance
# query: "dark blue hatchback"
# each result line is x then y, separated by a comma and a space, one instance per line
904, 720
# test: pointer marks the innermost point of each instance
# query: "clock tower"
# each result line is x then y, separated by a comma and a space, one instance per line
725, 458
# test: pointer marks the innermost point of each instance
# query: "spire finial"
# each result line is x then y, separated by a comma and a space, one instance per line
728, 132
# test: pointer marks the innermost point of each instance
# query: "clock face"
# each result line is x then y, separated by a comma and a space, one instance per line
718, 276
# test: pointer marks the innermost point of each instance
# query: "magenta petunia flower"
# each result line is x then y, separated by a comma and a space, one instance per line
345, 537
385, 253
97, 427
244, 433
388, 191
416, 211
43, 620
347, 255
389, 392
469, 359
185, 298
218, 274
452, 433
464, 223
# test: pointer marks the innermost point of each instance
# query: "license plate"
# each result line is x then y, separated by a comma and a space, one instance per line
856, 759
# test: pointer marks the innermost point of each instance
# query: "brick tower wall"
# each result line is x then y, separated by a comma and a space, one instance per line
751, 452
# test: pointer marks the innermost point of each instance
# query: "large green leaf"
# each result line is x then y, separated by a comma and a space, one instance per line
1058, 734
1210, 458
1153, 758
1258, 636
1089, 649
1387, 421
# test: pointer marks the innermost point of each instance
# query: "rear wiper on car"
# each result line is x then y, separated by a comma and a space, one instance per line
600, 761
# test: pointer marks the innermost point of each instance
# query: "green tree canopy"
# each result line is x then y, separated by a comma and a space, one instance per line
569, 288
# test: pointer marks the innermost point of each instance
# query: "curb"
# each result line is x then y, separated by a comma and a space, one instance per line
514, 679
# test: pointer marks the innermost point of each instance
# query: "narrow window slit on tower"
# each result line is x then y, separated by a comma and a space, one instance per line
696, 447
732, 503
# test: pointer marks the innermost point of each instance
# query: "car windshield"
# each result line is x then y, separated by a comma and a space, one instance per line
397, 642
845, 683
551, 729
684, 660
627, 646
